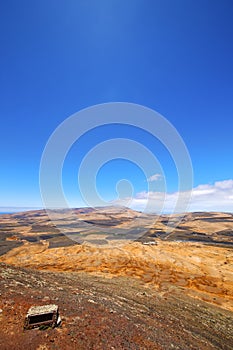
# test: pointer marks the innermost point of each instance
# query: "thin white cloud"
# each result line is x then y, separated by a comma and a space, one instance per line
206, 197
213, 197
154, 177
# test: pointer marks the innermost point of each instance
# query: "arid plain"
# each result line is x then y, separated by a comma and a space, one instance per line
181, 264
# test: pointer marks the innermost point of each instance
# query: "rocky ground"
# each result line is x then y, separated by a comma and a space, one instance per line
107, 313
165, 290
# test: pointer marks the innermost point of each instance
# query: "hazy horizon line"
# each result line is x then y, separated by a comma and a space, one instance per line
9, 209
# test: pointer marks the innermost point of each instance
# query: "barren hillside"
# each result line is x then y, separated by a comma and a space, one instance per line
105, 314
163, 290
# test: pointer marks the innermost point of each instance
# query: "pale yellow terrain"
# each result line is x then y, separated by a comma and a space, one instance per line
193, 255
205, 272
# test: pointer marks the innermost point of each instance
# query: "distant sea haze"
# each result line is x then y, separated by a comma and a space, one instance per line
11, 210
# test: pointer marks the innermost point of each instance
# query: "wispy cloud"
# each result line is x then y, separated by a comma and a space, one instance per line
205, 197
215, 197
154, 177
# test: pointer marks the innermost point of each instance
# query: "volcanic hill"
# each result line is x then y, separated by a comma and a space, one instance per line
122, 279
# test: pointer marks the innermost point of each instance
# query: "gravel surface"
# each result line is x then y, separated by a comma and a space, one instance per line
107, 313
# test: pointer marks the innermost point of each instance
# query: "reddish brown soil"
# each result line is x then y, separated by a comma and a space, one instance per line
175, 294
107, 313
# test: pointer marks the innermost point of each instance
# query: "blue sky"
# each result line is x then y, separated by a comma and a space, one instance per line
58, 57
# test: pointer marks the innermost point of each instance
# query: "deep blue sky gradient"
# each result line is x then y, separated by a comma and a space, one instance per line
59, 56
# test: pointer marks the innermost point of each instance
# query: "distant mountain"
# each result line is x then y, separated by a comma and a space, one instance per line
192, 252
102, 225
